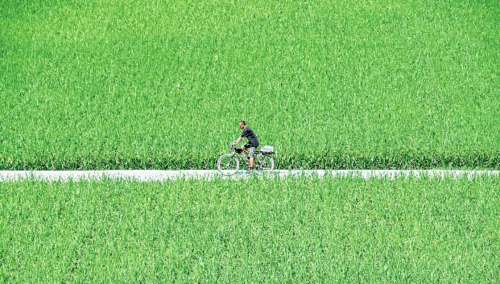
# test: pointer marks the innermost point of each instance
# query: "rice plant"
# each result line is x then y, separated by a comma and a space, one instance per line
331, 84
257, 230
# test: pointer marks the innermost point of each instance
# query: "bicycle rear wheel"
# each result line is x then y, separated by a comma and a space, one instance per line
228, 164
264, 162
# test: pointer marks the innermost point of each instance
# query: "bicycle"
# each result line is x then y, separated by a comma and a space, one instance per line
229, 164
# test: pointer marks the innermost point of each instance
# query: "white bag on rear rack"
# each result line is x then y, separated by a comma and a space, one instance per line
267, 149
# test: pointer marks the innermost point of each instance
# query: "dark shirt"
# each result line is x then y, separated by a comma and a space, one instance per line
250, 135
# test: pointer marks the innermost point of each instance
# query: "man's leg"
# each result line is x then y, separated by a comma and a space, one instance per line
244, 150
252, 161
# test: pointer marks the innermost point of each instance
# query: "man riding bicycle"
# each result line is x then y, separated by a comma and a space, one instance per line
252, 144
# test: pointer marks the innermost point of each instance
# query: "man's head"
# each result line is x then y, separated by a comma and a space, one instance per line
242, 124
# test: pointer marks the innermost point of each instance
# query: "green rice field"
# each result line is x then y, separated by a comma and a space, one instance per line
162, 84
102, 84
300, 230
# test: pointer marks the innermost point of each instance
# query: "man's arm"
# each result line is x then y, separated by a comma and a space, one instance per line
237, 140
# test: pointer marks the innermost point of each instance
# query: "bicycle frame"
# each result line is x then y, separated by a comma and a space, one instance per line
241, 154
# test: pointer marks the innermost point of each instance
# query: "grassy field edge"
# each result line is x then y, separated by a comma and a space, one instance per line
338, 161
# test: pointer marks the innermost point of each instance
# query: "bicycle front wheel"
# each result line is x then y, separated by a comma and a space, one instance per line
228, 164
264, 162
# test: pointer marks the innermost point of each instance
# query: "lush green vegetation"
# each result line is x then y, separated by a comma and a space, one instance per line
292, 230
331, 84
